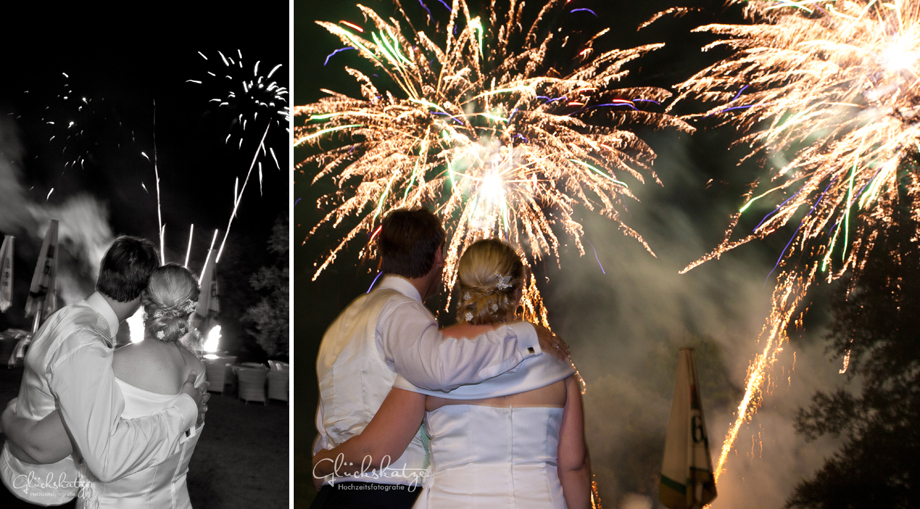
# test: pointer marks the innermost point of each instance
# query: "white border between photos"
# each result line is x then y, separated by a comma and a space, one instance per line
291, 387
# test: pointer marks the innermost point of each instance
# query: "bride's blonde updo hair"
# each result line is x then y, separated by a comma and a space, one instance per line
171, 296
489, 278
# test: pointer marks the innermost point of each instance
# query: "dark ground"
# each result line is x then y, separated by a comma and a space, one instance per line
241, 460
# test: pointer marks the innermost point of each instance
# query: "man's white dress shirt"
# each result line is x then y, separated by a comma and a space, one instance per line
389, 331
69, 367
533, 373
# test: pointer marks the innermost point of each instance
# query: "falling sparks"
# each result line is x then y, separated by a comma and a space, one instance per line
481, 127
156, 173
238, 196
846, 363
837, 86
188, 251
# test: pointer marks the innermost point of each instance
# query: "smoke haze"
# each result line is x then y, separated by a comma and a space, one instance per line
83, 228
625, 327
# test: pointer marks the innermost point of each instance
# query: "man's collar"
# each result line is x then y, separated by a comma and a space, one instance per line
401, 285
98, 303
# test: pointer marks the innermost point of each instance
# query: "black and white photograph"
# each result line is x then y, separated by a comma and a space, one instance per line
144, 306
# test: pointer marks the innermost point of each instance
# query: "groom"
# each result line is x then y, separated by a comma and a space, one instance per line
389, 331
69, 368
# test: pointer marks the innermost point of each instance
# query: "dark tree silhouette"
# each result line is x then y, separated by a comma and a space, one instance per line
271, 314
875, 319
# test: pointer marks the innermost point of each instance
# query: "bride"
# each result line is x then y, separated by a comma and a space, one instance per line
516, 440
150, 375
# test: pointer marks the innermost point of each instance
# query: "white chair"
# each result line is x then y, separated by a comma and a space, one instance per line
216, 372
252, 384
278, 380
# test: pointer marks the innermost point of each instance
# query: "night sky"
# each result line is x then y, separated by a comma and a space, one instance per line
77, 116
623, 312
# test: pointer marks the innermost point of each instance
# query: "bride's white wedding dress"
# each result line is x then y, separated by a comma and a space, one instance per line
159, 486
495, 457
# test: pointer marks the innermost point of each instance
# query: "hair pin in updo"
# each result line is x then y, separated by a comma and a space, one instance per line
468, 316
189, 306
158, 313
504, 282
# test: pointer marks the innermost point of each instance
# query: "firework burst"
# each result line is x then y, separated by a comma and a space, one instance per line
836, 85
482, 127
249, 95
254, 101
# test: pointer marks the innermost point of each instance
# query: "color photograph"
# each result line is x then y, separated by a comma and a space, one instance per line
583, 253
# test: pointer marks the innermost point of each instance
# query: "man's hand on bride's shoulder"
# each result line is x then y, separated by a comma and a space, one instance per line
551, 343
198, 394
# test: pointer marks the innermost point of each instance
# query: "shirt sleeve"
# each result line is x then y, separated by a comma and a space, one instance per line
320, 442
91, 405
409, 339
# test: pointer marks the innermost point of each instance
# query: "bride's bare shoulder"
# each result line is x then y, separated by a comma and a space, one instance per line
125, 353
192, 361
126, 361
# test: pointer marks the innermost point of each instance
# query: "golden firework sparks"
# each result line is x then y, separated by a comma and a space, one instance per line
836, 85
481, 127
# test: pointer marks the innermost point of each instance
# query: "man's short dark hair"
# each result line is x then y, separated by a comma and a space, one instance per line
126, 268
408, 242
